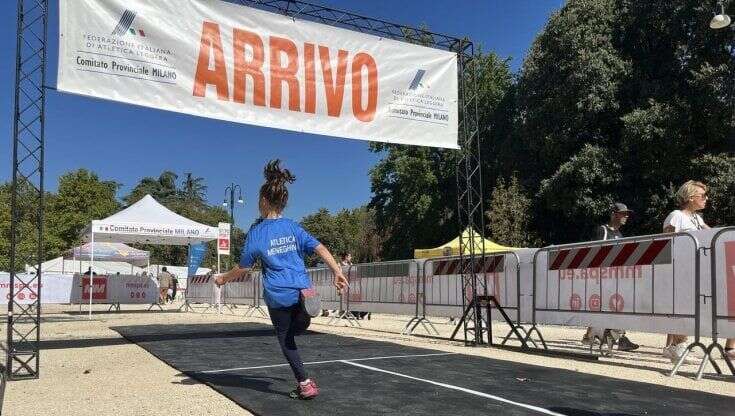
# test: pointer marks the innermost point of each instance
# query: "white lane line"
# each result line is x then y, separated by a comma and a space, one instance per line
462, 389
326, 362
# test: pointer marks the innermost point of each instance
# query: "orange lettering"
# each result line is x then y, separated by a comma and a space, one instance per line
334, 89
309, 75
367, 113
252, 67
287, 74
211, 41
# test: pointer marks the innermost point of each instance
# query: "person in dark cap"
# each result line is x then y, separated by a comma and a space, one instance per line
619, 214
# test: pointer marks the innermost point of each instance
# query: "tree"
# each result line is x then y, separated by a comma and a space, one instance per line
352, 231
26, 228
193, 190
81, 198
578, 196
162, 189
509, 216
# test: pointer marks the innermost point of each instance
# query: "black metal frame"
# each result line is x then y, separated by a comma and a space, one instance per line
24, 320
470, 201
22, 349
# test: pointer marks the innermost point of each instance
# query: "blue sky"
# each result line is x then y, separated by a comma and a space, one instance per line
125, 143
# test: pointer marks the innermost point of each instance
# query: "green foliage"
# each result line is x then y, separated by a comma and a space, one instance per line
352, 231
509, 216
26, 227
81, 198
577, 197
644, 89
718, 172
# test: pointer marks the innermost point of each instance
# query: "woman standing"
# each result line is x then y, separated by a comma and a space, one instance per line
692, 198
281, 244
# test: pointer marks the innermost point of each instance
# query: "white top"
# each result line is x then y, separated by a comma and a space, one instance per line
681, 221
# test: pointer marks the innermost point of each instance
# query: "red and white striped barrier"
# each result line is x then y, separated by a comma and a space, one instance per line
201, 289
492, 264
443, 282
643, 253
632, 283
243, 290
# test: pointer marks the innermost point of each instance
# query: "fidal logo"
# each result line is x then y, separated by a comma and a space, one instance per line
125, 25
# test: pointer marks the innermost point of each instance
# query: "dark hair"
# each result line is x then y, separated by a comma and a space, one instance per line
163, 269
274, 189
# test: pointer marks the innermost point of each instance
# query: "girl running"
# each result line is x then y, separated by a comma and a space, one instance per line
281, 244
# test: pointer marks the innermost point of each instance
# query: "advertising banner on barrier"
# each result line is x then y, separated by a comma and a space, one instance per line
621, 281
230, 62
123, 289
54, 289
730, 277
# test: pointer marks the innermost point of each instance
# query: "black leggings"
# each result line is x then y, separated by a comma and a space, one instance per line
289, 322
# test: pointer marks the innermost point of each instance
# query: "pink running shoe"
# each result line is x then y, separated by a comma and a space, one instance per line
308, 389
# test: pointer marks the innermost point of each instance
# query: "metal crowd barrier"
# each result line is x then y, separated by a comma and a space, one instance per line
441, 293
245, 291
323, 281
723, 307
629, 288
200, 290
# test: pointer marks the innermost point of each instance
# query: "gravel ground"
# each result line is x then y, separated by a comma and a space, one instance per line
95, 372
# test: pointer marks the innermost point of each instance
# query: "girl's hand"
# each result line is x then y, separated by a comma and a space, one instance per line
340, 281
219, 280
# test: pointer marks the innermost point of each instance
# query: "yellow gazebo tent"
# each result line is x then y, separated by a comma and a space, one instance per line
452, 248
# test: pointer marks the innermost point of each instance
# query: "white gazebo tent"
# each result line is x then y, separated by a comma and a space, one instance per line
146, 222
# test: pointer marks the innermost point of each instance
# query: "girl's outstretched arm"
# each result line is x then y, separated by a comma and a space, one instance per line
230, 275
340, 281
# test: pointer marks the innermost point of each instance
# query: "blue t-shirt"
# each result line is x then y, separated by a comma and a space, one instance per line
281, 245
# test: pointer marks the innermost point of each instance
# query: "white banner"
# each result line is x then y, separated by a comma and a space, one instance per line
54, 289
229, 62
223, 240
123, 289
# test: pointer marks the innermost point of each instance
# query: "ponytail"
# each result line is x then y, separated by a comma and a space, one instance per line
274, 190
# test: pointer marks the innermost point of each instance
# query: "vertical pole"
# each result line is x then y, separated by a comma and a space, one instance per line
91, 274
27, 188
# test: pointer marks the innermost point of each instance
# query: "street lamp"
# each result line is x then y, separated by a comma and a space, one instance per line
720, 21
231, 189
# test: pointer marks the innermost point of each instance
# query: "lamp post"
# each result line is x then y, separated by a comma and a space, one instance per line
231, 189
722, 21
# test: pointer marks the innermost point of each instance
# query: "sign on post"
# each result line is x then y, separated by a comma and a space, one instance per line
223, 241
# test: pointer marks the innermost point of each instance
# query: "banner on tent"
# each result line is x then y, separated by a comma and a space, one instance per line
229, 62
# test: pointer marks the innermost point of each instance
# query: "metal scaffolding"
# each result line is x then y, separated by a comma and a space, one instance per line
27, 201
27, 194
